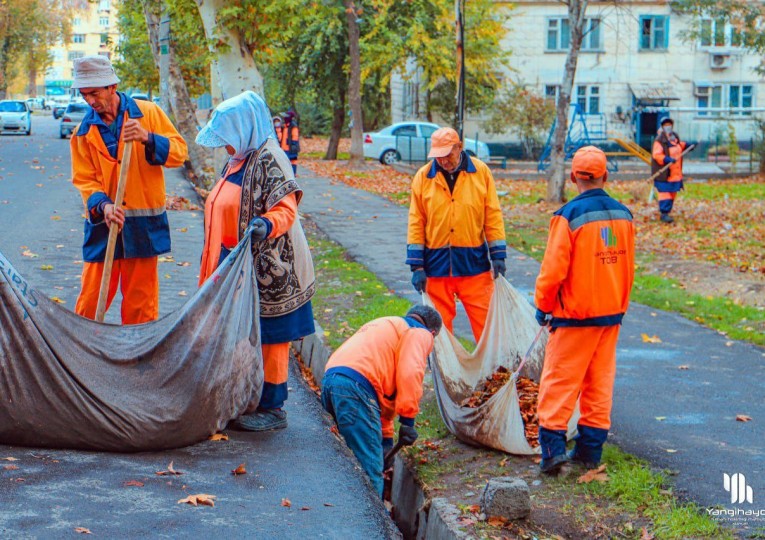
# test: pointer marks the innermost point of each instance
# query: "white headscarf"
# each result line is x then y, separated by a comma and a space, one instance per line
243, 122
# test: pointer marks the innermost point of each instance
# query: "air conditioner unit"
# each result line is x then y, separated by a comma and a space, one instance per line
719, 61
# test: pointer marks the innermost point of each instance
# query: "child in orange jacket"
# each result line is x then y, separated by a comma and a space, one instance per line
375, 375
582, 292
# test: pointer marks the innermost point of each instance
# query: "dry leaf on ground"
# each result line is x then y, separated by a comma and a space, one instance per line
683, 367
133, 483
287, 503
218, 437
598, 475
645, 535
496, 521
199, 499
328, 504
305, 507
82, 530
169, 471
9, 459
239, 470
743, 418
650, 339
10, 467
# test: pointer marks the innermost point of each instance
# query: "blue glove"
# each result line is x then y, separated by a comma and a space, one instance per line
543, 318
260, 229
407, 435
668, 160
418, 280
498, 265
691, 146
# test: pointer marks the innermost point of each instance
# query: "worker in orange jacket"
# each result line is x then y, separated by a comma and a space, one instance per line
288, 135
582, 292
375, 375
97, 149
668, 150
456, 237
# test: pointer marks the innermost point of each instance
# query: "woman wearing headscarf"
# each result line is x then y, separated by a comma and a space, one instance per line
258, 189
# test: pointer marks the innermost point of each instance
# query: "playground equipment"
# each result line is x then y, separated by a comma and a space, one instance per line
591, 129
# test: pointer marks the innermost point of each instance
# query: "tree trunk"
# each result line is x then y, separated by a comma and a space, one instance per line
338, 119
557, 182
183, 110
354, 85
233, 62
32, 79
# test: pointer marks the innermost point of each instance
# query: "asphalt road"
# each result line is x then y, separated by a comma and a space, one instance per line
48, 493
681, 420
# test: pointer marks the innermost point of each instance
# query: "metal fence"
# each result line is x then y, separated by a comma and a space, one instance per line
412, 149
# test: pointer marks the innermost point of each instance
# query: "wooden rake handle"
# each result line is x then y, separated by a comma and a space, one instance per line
103, 292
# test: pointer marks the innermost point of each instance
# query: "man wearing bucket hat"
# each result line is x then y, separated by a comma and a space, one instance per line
456, 237
97, 148
582, 292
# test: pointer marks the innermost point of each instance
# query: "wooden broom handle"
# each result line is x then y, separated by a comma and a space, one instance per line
103, 292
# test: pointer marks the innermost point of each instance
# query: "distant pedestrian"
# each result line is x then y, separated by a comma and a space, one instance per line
456, 237
375, 375
97, 146
258, 189
582, 292
288, 135
668, 150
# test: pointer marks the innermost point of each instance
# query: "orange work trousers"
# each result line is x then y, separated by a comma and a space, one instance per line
473, 291
276, 361
579, 363
139, 284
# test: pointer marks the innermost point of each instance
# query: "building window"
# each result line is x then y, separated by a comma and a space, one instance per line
740, 96
72, 55
552, 91
78, 38
76, 21
718, 33
724, 96
105, 39
654, 32
559, 34
588, 98
104, 5
103, 21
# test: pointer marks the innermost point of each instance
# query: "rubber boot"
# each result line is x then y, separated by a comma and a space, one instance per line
666, 218
589, 446
553, 446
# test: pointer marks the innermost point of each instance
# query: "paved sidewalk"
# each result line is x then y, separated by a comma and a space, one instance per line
53, 491
682, 420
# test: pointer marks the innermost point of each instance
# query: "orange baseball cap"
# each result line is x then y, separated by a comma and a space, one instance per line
442, 141
589, 162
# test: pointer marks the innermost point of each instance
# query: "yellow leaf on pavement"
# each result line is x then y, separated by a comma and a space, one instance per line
201, 498
650, 339
743, 418
57, 300
82, 530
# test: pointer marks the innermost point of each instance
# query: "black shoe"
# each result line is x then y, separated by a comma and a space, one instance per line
573, 458
262, 420
666, 218
553, 465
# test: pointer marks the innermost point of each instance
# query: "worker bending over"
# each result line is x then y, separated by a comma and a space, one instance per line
582, 292
375, 375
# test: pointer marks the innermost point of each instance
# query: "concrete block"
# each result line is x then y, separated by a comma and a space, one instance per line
506, 497
442, 521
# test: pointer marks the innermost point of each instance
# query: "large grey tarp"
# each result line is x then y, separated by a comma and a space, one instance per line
69, 382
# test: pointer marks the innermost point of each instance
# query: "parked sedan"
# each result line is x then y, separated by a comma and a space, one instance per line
73, 115
16, 116
410, 141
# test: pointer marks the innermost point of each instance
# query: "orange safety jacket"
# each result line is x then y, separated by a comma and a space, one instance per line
388, 357
672, 178
96, 156
455, 234
589, 264
288, 134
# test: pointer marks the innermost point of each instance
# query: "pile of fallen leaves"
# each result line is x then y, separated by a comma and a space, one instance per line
372, 176
308, 376
174, 202
528, 392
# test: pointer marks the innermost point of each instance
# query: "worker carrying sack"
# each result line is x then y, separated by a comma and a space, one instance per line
510, 330
70, 382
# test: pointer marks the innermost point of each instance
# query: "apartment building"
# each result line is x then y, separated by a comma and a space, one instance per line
636, 65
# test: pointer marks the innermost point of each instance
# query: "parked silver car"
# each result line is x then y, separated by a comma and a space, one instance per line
72, 117
15, 116
410, 141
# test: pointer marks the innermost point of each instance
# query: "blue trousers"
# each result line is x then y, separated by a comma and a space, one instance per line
358, 420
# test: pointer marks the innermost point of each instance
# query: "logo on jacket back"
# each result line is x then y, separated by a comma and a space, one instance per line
736, 485
608, 236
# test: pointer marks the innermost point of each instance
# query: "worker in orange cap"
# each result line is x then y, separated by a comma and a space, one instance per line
668, 150
582, 292
456, 237
97, 146
375, 375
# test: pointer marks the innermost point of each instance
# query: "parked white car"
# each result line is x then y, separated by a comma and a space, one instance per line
15, 116
410, 141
